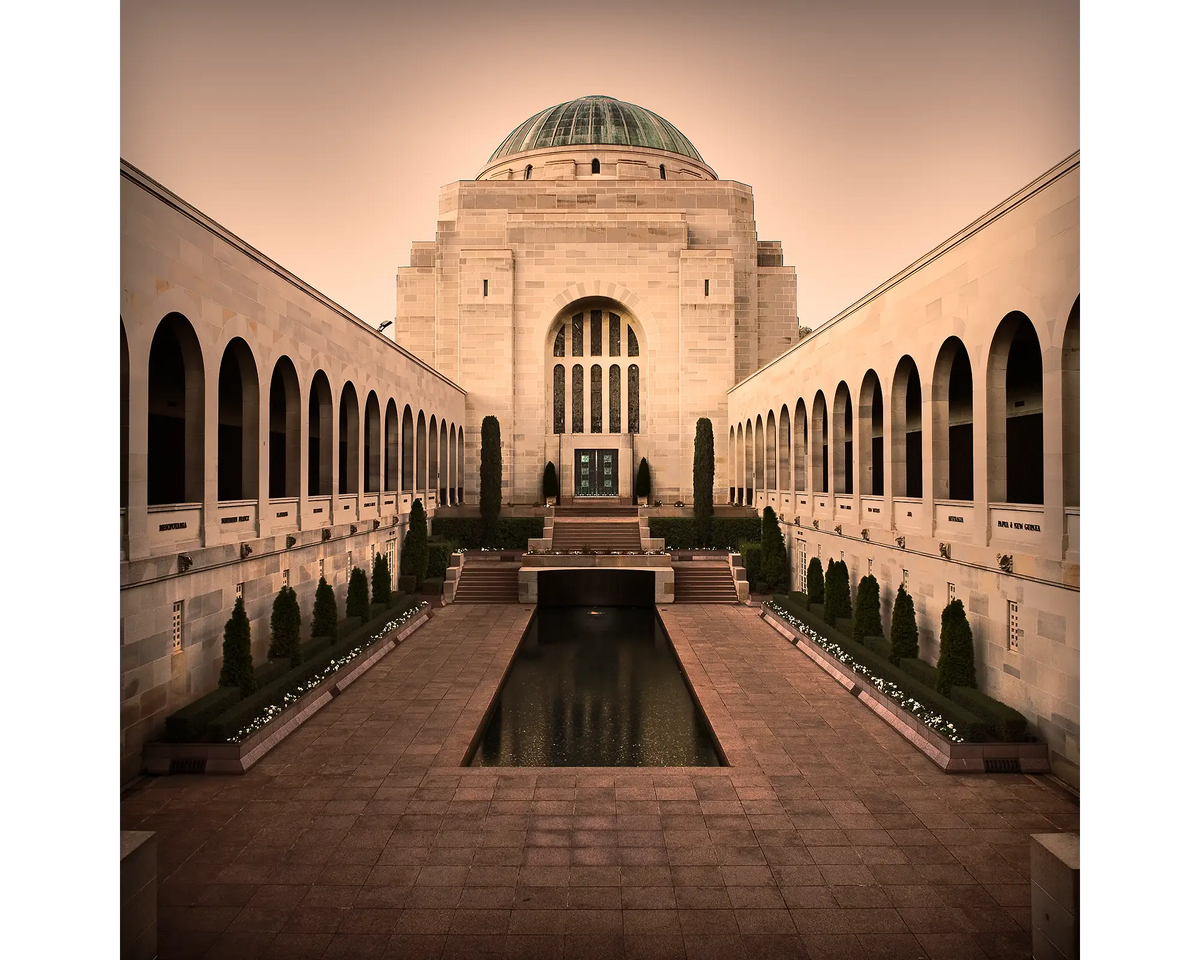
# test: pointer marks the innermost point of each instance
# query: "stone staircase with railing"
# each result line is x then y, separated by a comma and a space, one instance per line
485, 581
705, 579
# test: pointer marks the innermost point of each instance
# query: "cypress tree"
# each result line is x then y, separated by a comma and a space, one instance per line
837, 592
414, 555
904, 634
956, 659
703, 468
237, 662
381, 580
774, 554
491, 465
641, 487
358, 599
325, 613
285, 625
815, 582
549, 482
866, 610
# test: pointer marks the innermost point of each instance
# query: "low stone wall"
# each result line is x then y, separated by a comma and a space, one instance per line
1054, 895
139, 895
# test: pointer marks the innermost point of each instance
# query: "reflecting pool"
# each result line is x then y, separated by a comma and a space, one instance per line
595, 687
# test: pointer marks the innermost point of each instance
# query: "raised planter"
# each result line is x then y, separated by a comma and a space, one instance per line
163, 758
951, 757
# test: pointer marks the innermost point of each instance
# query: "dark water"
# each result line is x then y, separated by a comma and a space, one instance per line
595, 687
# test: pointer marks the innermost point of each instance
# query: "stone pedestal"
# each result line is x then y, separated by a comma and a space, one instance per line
139, 895
1054, 895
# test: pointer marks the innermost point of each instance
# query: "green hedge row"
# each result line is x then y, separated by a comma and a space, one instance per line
439, 556
727, 532
512, 533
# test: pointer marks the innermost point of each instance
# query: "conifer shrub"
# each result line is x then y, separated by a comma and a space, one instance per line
641, 486
381, 581
285, 625
491, 466
439, 551
703, 468
325, 616
549, 482
358, 598
867, 622
837, 592
237, 662
815, 582
956, 659
774, 554
414, 552
752, 561
904, 636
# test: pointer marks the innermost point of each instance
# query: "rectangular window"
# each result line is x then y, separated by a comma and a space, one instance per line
577, 335
485, 290
177, 627
1014, 628
391, 560
802, 565
349, 565
706, 288
614, 335
870, 563
904, 579
287, 578
949, 593
240, 588
321, 568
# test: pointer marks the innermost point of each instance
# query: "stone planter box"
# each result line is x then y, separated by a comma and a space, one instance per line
164, 758
951, 757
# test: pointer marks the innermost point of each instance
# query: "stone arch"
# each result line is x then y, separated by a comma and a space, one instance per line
421, 477
800, 428
748, 453
452, 473
407, 467
732, 462
907, 450
820, 444
1015, 445
1070, 415
461, 464
124, 452
443, 464
843, 440
785, 449
372, 444
760, 443
175, 414
320, 436
431, 484
870, 429
283, 470
771, 453
391, 448
348, 440
953, 423
739, 468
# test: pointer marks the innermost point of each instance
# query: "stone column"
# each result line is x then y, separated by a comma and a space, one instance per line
137, 517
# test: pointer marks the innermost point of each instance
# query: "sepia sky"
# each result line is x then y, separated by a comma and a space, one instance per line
870, 130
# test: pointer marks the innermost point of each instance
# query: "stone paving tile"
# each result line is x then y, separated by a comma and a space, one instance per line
828, 835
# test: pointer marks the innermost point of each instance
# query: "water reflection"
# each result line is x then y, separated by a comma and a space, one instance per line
595, 687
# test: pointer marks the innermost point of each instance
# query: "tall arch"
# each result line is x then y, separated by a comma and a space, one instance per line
284, 428
770, 453
124, 453
749, 462
1016, 464
732, 461
953, 423
843, 440
320, 436
452, 476
462, 464
870, 428
443, 464
391, 448
785, 449
431, 484
348, 440
907, 473
175, 414
801, 431
820, 444
422, 475
759, 455
739, 469
407, 467
372, 444
1070, 420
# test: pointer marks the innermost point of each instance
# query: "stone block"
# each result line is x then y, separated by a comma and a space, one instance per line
1054, 894
139, 895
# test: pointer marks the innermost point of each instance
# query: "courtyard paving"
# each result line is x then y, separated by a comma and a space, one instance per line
829, 835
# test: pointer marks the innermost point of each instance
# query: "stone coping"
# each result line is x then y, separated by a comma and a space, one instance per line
240, 757
951, 757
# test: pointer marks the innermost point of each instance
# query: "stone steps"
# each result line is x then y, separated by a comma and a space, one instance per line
597, 535
704, 582
487, 582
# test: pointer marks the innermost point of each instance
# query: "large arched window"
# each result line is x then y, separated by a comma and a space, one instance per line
419, 484
820, 444
237, 423
785, 449
953, 424
597, 424
443, 463
391, 448
907, 450
407, 452
1070, 390
1014, 438
635, 399
372, 446
320, 436
560, 397
175, 414
870, 428
843, 440
348, 438
614, 397
801, 431
284, 457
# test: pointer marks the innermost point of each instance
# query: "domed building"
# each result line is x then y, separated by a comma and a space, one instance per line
597, 288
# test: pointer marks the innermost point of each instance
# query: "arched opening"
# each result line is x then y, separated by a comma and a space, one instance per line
820, 444
635, 399
748, 454
906, 430
870, 426
759, 454
1070, 388
461, 465
320, 436
420, 483
372, 441
452, 466
771, 452
348, 434
953, 424
443, 465
785, 449
801, 429
662, 171
432, 485
284, 426
595, 165
528, 171
560, 397
1014, 438
391, 448
843, 440
124, 418
614, 398
175, 414
577, 398
406, 450
732, 461
597, 398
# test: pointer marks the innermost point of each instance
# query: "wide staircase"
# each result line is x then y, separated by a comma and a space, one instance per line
599, 534
704, 581
487, 581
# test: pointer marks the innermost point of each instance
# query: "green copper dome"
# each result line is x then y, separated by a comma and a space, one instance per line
596, 119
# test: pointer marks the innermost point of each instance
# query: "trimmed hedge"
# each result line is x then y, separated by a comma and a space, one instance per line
752, 561
703, 465
439, 550
775, 572
187, 724
432, 586
512, 533
800, 598
683, 533
1003, 721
